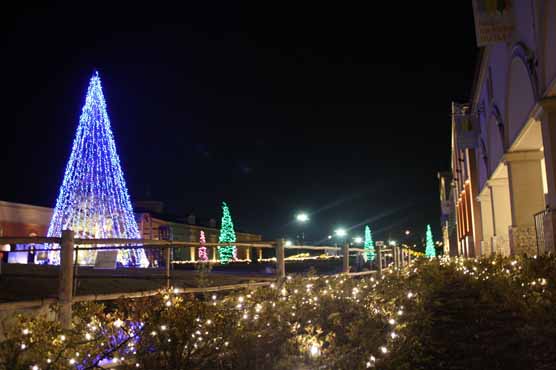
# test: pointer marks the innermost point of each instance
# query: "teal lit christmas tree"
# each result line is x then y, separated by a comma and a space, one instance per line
429, 251
93, 200
369, 245
227, 235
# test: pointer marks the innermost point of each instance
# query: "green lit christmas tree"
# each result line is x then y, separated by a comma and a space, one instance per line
227, 235
369, 245
429, 251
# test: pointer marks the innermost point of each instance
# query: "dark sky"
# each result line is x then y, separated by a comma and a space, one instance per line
340, 110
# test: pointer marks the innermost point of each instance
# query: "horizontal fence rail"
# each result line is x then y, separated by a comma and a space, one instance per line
69, 247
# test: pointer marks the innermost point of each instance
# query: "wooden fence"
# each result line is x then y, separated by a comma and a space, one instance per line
70, 247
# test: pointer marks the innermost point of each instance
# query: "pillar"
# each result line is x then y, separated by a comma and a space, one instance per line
502, 215
548, 127
487, 221
192, 254
526, 199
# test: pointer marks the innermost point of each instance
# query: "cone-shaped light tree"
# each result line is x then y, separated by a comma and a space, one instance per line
227, 235
93, 200
202, 247
429, 250
369, 245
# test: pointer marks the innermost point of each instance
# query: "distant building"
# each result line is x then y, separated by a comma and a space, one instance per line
18, 219
504, 142
160, 226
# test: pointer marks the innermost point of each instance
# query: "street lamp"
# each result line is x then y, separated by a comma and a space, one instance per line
407, 232
340, 232
358, 240
392, 243
302, 218
288, 243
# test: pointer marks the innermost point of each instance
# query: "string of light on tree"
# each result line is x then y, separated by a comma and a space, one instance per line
93, 200
202, 247
227, 235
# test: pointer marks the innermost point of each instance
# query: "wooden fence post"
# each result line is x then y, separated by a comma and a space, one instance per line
65, 282
379, 259
168, 259
345, 260
280, 259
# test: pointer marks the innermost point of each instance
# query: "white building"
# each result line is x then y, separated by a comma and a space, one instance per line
511, 169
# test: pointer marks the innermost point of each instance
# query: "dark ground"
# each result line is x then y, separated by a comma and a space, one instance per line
19, 282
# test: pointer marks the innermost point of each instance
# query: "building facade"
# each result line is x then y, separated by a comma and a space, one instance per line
447, 214
23, 220
505, 176
157, 226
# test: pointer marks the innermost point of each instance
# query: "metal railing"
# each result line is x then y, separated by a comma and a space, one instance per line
539, 230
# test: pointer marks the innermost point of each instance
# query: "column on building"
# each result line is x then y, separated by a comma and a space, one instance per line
472, 188
526, 199
502, 215
487, 221
548, 124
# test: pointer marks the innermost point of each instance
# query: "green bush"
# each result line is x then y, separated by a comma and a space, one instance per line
436, 314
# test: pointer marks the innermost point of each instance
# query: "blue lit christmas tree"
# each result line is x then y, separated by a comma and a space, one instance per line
429, 250
93, 199
369, 245
227, 235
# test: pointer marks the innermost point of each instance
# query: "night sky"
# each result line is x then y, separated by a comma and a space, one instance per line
340, 110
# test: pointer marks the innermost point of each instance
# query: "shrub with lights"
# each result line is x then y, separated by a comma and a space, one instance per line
493, 313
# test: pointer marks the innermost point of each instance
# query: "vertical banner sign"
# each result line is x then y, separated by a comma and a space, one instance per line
494, 21
467, 130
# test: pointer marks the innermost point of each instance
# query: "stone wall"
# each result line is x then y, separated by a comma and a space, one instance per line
523, 240
500, 245
486, 248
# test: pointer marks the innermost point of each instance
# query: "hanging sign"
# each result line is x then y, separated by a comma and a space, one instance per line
467, 127
106, 259
494, 21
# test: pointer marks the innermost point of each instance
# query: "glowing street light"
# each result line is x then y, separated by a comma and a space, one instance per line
392, 243
407, 232
288, 243
302, 217
340, 232
358, 240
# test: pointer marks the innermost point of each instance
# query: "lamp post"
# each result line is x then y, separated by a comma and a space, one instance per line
302, 218
340, 233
